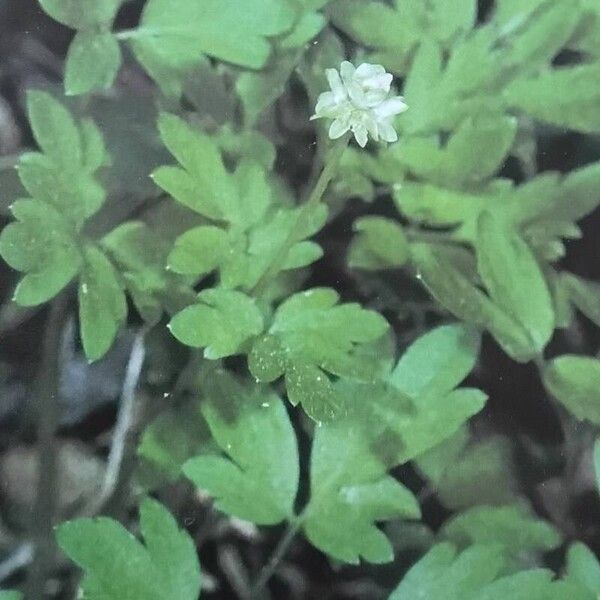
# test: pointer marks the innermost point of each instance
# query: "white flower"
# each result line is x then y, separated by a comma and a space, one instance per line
360, 101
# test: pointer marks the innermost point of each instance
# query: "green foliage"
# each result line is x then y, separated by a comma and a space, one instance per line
223, 244
258, 480
351, 489
82, 14
93, 62
174, 35
511, 527
116, 565
575, 381
250, 227
311, 336
220, 322
477, 574
381, 244
10, 596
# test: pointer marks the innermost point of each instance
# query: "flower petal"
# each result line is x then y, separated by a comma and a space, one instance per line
390, 108
387, 132
338, 128
335, 83
347, 71
360, 134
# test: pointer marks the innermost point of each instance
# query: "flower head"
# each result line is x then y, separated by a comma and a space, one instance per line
360, 101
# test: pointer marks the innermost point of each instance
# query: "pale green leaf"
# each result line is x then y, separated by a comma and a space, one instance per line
118, 567
174, 35
102, 304
256, 477
438, 361
585, 295
442, 574
458, 294
202, 183
92, 62
42, 245
575, 106
380, 241
575, 382
513, 278
311, 335
583, 567
199, 251
221, 321
82, 14
513, 527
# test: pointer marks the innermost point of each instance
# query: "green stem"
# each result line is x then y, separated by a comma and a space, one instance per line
280, 551
304, 215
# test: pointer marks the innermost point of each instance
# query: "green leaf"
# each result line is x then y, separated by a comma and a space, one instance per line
220, 322
438, 361
312, 335
534, 39
585, 295
258, 91
202, 183
575, 381
512, 527
583, 567
54, 129
256, 477
466, 474
174, 35
11, 596
461, 162
175, 436
118, 567
93, 61
199, 251
443, 575
82, 14
351, 490
102, 304
513, 278
62, 175
380, 242
141, 255
42, 245
373, 24
452, 19
458, 294
576, 107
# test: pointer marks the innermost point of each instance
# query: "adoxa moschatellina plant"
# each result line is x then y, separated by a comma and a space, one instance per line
229, 276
